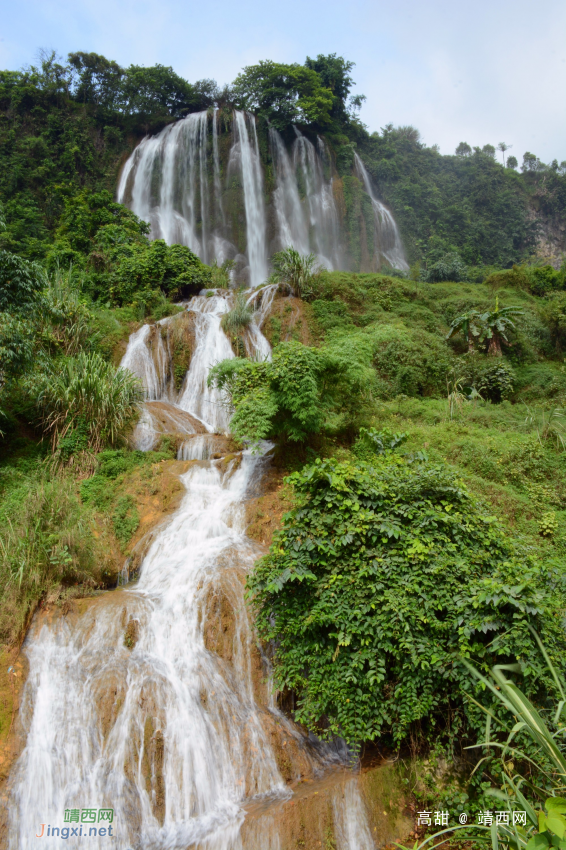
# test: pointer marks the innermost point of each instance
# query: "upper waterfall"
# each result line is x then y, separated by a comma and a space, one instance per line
210, 183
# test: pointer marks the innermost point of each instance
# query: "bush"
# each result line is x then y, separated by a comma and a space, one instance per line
492, 379
302, 391
450, 267
410, 362
380, 579
545, 279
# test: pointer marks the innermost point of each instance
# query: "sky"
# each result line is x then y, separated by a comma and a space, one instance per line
481, 72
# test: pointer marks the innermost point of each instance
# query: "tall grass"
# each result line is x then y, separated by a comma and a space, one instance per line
239, 317
45, 541
221, 275
538, 791
297, 270
88, 395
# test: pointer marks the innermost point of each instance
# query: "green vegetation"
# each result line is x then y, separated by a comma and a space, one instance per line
65, 128
236, 320
424, 421
298, 272
47, 541
88, 397
383, 576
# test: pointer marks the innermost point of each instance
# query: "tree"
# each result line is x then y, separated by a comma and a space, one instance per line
334, 74
296, 270
512, 162
488, 150
96, 80
463, 149
448, 267
502, 146
531, 163
284, 94
20, 283
158, 92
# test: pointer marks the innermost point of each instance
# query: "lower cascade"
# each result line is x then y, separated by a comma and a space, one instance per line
174, 736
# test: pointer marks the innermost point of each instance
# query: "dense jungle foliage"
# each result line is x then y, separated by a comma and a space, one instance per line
421, 416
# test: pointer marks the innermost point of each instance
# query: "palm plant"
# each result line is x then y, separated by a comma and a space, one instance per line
468, 325
88, 394
548, 424
236, 320
296, 270
495, 324
239, 317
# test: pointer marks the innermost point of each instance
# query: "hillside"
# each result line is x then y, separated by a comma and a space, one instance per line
66, 127
225, 463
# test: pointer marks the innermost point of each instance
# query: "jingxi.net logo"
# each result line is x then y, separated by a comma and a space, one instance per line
90, 823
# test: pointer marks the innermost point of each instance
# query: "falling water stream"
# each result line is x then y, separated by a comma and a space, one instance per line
177, 183
169, 733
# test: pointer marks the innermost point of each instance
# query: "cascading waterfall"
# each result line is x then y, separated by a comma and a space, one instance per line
291, 221
190, 194
248, 151
388, 245
168, 733
310, 224
322, 212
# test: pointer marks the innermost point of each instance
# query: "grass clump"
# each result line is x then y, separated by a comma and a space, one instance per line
87, 394
47, 541
298, 271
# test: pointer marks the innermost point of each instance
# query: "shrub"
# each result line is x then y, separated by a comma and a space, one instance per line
545, 279
301, 391
495, 383
515, 277
450, 267
87, 393
410, 362
382, 576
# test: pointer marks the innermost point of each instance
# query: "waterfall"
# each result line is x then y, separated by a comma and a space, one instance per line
165, 182
174, 180
388, 245
219, 210
171, 729
253, 197
310, 225
148, 358
292, 224
321, 207
212, 346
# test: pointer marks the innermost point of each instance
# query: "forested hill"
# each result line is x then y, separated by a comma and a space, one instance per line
69, 126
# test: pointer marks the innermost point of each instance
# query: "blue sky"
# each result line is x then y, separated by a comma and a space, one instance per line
481, 72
